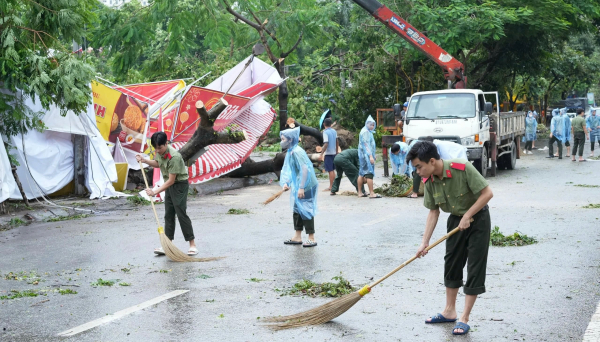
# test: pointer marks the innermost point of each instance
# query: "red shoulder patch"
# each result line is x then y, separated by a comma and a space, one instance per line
169, 156
458, 166
448, 174
425, 180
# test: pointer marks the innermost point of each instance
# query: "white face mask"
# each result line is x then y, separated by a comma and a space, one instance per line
530, 115
285, 144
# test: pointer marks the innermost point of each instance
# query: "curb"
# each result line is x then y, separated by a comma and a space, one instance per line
224, 184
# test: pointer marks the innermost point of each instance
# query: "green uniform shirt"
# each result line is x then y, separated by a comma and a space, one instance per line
457, 190
350, 156
172, 162
578, 124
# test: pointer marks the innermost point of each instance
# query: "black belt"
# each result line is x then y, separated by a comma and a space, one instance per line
486, 207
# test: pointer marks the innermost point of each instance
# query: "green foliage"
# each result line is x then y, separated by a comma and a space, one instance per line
138, 200
15, 222
234, 211
66, 291
124, 284
398, 187
586, 186
21, 294
378, 134
67, 218
36, 60
592, 206
516, 239
102, 282
328, 289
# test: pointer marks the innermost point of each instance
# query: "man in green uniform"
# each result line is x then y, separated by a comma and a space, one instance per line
457, 188
580, 134
175, 175
346, 162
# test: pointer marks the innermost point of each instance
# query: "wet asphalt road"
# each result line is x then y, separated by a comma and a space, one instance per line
543, 292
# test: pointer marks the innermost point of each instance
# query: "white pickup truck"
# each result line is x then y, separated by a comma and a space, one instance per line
465, 117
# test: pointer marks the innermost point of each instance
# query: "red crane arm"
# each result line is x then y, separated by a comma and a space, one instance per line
453, 69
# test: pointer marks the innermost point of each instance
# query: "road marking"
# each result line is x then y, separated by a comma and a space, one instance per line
120, 314
592, 333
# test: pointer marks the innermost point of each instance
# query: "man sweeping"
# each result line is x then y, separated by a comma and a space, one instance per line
175, 186
298, 175
456, 187
346, 162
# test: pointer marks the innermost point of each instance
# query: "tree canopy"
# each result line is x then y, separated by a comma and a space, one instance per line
341, 58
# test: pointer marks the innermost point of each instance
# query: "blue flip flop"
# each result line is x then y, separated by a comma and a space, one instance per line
439, 318
460, 325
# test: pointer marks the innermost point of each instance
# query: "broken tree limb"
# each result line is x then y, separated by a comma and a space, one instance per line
214, 112
205, 134
252, 168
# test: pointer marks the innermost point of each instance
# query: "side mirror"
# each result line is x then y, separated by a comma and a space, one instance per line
489, 108
397, 110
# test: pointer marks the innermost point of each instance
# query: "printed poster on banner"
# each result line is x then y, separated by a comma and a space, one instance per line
122, 116
184, 124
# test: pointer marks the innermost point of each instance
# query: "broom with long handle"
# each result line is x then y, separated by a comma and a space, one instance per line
336, 307
167, 245
274, 197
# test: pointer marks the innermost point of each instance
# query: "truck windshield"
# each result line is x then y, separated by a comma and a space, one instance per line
443, 106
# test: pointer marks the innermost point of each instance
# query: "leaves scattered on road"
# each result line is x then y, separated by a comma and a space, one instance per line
138, 200
587, 186
102, 282
233, 211
67, 218
592, 206
516, 239
307, 287
66, 291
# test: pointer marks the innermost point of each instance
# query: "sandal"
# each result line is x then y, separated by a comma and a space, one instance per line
159, 251
192, 251
292, 242
333, 194
309, 243
376, 196
439, 318
460, 325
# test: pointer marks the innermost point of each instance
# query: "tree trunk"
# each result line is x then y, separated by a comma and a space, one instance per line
79, 153
14, 172
282, 96
252, 168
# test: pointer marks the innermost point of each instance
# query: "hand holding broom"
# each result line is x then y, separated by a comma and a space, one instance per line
167, 245
276, 195
336, 307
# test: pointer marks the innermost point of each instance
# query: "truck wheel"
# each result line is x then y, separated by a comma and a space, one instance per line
511, 158
482, 164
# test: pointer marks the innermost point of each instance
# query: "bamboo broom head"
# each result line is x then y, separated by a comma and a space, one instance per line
319, 315
274, 197
176, 255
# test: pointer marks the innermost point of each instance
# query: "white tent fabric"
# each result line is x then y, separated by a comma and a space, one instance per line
46, 158
257, 71
7, 183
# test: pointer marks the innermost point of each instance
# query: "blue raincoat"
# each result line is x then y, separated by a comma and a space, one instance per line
557, 125
398, 160
593, 122
530, 127
366, 148
567, 121
298, 173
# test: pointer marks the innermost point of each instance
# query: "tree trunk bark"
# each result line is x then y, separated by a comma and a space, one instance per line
282, 95
252, 168
19, 185
79, 149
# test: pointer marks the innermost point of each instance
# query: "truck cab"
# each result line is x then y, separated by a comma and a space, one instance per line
458, 115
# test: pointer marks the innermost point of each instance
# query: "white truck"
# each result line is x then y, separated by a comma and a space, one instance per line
465, 117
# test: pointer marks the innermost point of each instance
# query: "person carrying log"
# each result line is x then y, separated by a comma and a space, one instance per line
456, 187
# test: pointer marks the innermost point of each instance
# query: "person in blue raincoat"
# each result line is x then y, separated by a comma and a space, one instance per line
530, 132
397, 154
592, 123
366, 157
557, 133
536, 116
567, 139
298, 175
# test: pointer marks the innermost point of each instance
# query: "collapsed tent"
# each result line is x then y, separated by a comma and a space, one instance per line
246, 111
46, 158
